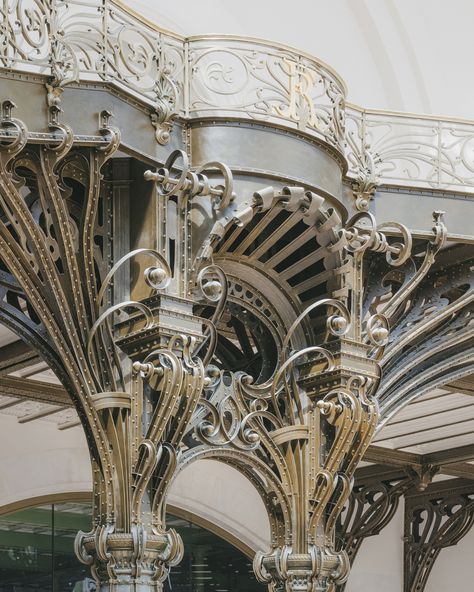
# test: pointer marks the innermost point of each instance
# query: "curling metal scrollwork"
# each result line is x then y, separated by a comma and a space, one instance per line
167, 95
406, 150
297, 434
370, 507
266, 83
432, 523
307, 482
57, 254
161, 388
271, 431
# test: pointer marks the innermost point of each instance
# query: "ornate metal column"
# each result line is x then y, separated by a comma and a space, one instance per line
264, 332
57, 289
130, 548
296, 431
299, 435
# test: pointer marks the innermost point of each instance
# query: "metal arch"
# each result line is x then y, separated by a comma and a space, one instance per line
431, 338
273, 427
375, 280
257, 473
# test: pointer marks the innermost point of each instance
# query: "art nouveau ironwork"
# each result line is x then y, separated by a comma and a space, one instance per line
275, 327
437, 519
370, 508
219, 76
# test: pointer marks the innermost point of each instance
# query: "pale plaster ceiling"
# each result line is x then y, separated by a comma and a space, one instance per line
405, 55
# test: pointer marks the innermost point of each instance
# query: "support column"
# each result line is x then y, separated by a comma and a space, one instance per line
298, 436
55, 244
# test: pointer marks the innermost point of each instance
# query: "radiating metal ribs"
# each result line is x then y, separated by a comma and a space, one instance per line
297, 431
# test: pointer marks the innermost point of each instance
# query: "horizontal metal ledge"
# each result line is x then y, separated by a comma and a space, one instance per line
54, 139
34, 390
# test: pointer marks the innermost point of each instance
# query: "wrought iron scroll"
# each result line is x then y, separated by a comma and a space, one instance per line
432, 523
270, 431
394, 304
55, 256
431, 339
369, 509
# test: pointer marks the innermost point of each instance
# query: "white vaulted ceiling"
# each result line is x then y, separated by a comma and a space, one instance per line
405, 55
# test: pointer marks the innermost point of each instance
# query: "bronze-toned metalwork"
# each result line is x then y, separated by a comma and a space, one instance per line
54, 242
434, 520
370, 508
272, 325
314, 416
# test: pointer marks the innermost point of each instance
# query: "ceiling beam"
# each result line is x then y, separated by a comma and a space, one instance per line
34, 390
400, 458
463, 385
379, 473
394, 458
10, 403
40, 414
451, 462
463, 470
16, 356
451, 455
441, 488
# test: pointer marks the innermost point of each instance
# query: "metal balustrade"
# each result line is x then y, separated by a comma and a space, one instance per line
223, 76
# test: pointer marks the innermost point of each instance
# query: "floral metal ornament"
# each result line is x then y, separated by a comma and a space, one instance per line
299, 435
296, 430
55, 248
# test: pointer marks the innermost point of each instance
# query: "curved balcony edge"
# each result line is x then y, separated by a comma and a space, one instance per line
226, 77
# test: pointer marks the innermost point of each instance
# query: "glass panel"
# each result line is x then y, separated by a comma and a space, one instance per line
69, 574
210, 564
25, 551
37, 555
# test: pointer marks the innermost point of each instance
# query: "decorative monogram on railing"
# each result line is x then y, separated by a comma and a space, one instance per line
266, 83
98, 40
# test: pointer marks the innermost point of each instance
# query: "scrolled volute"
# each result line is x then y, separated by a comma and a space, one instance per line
191, 183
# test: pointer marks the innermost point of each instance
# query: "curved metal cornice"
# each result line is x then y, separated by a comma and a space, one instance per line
221, 76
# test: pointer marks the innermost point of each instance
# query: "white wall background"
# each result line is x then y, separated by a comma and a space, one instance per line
405, 55
223, 496
37, 459
453, 571
378, 566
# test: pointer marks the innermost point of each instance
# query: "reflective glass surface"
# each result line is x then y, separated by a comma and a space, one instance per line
37, 555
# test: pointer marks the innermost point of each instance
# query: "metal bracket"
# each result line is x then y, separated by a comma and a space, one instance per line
434, 520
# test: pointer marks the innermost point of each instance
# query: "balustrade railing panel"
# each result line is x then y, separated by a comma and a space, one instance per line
261, 81
412, 150
230, 77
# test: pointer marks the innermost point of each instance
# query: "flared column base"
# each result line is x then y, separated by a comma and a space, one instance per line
129, 562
